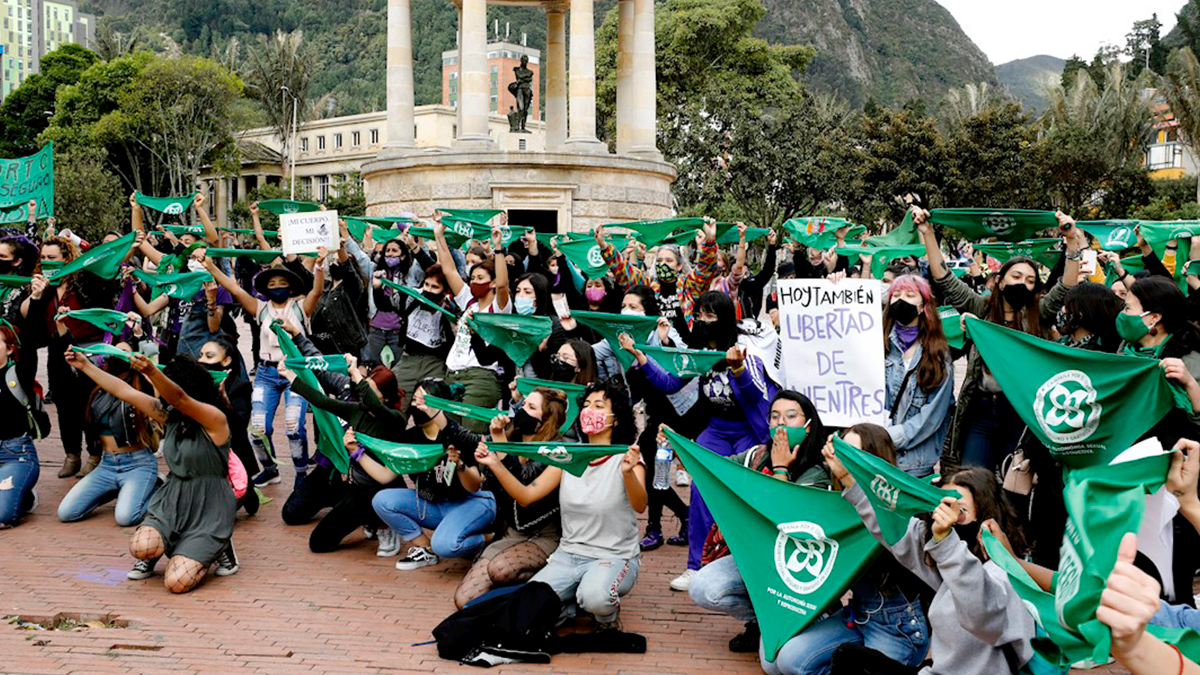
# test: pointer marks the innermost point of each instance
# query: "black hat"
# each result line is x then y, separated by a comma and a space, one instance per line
295, 285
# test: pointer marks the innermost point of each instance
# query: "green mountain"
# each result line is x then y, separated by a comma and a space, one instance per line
1026, 79
888, 50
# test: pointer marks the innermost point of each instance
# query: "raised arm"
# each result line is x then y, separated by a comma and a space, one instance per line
318, 285
148, 309
449, 268
135, 215
208, 416
145, 403
501, 270
247, 301
1071, 236
210, 230
258, 230
937, 262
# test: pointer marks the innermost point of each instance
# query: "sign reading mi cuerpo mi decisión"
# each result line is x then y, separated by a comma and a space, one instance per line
306, 232
27, 178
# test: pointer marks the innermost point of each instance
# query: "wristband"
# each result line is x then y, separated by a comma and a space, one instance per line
358, 453
779, 471
1180, 655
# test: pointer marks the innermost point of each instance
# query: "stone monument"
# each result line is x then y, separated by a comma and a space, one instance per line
522, 91
576, 183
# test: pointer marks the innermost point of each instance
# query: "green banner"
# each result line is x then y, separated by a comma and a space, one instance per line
798, 548
419, 297
402, 458
952, 326
282, 206
904, 234
519, 336
683, 362
570, 457
882, 257
526, 385
464, 410
103, 261
1006, 224
173, 206
1041, 250
335, 363
27, 178
181, 286
256, 254
1113, 235
329, 440
585, 254
1086, 406
610, 327
109, 320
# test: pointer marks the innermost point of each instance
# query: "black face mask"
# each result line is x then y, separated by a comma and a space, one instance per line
561, 371
1017, 295
1064, 323
969, 532
215, 367
703, 333
6, 266
338, 272
524, 423
903, 312
435, 298
419, 417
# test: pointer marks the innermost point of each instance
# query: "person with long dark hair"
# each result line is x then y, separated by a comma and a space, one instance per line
1088, 318
428, 335
221, 357
18, 257
919, 374
985, 428
532, 298
19, 467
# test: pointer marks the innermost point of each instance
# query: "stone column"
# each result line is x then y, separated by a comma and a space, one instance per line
556, 79
458, 101
625, 76
400, 99
644, 134
222, 202
241, 189
583, 79
474, 82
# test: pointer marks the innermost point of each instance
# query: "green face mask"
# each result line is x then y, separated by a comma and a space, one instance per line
1131, 328
796, 435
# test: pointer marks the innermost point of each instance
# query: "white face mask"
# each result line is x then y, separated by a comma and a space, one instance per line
560, 307
195, 266
629, 311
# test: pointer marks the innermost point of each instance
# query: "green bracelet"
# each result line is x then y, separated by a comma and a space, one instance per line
779, 471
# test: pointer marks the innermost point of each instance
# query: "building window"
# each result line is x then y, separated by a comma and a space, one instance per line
355, 139
1164, 156
304, 144
323, 188
495, 88
320, 142
454, 89
522, 144
337, 141
374, 137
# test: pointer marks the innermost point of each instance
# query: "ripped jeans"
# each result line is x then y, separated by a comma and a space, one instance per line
269, 388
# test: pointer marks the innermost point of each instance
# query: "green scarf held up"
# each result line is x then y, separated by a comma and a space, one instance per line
752, 233
108, 320
282, 206
333, 363
519, 336
585, 254
683, 362
180, 286
180, 230
103, 261
952, 326
256, 254
547, 239
1113, 235
526, 385
1086, 406
820, 232
1131, 265
573, 458
904, 234
1158, 233
653, 232
101, 349
357, 227
610, 327
14, 281
798, 548
895, 495
419, 297
172, 206
402, 458
463, 410
453, 239
269, 234
1005, 224
329, 440
1041, 250
481, 216
882, 257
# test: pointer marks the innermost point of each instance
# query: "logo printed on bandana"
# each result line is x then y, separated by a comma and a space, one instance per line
318, 364
1066, 408
594, 257
170, 288
505, 233
804, 556
556, 454
888, 493
174, 209
464, 228
291, 208
1070, 569
999, 224
1120, 237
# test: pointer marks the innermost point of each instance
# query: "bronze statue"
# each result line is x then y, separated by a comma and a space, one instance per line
522, 91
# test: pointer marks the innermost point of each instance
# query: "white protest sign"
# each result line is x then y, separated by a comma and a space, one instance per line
306, 232
832, 347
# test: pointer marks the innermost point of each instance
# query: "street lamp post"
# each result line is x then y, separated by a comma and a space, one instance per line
292, 145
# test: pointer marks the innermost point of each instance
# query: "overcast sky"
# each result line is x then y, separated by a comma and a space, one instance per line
1015, 29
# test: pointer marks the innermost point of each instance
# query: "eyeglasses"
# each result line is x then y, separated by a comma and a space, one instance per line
789, 416
555, 358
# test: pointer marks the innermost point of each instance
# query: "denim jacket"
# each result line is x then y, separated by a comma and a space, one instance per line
922, 418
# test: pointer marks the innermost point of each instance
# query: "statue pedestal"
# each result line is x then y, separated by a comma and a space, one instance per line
584, 190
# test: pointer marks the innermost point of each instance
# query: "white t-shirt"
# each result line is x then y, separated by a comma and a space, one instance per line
597, 519
461, 355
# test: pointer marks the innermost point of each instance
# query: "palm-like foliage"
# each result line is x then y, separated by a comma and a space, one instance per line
278, 74
1119, 112
1180, 88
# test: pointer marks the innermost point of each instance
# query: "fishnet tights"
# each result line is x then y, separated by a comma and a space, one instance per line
183, 574
512, 565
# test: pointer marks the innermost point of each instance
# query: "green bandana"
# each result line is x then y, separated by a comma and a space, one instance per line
585, 254
1113, 235
796, 435
257, 255
419, 297
1041, 250
610, 327
49, 266
882, 257
481, 216
13, 281
357, 226
109, 320
653, 232
952, 326
683, 362
180, 286
101, 349
453, 239
282, 206
752, 233
548, 239
402, 458
519, 336
334, 363
269, 234
904, 234
180, 230
895, 495
820, 232
463, 410
1131, 265
526, 385
219, 376
172, 206
798, 548
25, 178
1158, 233
329, 438
570, 457
1006, 224
1086, 406
103, 261
1191, 267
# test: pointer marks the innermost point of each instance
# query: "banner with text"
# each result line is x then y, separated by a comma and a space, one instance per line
832, 347
306, 232
27, 178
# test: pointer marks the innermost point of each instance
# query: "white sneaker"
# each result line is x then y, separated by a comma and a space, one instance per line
682, 479
389, 543
227, 562
416, 558
683, 581
142, 569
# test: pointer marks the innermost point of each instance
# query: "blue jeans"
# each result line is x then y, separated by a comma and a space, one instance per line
269, 389
1176, 616
377, 339
595, 585
890, 624
19, 471
129, 477
457, 526
718, 587
993, 433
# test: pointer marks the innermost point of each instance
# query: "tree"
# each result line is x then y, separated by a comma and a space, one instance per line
1143, 46
895, 152
989, 160
87, 197
26, 111
1071, 68
278, 75
1181, 89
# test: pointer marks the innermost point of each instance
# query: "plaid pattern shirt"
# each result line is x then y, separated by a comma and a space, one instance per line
696, 283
